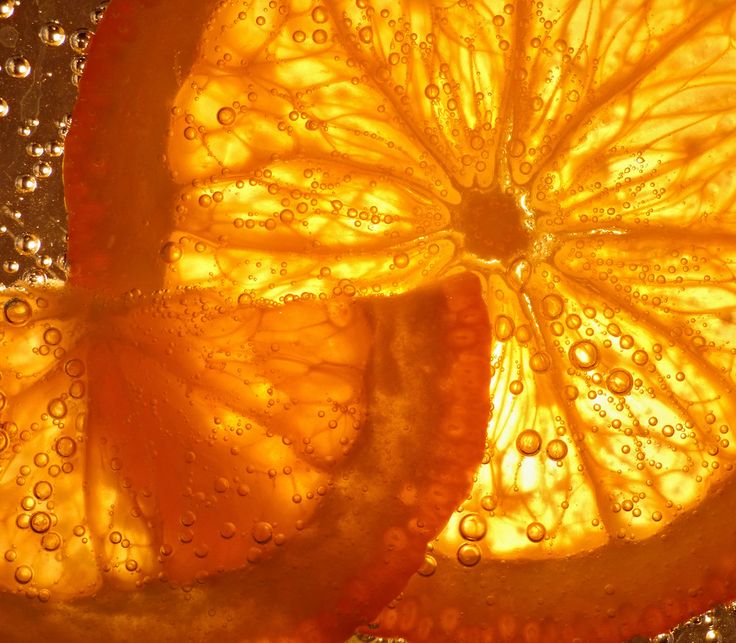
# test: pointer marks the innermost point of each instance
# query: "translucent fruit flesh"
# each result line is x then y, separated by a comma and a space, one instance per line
223, 449
169, 471
576, 157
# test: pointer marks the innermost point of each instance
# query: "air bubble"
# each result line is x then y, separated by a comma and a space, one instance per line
74, 368
7, 7
556, 449
4, 108
52, 336
468, 554
51, 541
27, 244
319, 14
26, 183
170, 252
17, 67
428, 566
52, 34
431, 91
504, 327
226, 116
23, 574
80, 39
489, 502
57, 408
472, 527
65, 446
619, 381
536, 532
529, 442
552, 306
401, 260
43, 490
98, 12
40, 522
228, 530
17, 311
262, 532
640, 357
583, 355
539, 362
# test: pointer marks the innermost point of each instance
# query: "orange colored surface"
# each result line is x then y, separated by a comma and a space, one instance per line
348, 240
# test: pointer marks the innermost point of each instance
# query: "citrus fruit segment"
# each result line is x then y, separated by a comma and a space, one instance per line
45, 543
256, 456
577, 156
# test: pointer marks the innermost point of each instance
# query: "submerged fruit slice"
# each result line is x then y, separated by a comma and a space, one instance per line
285, 466
313, 150
240, 465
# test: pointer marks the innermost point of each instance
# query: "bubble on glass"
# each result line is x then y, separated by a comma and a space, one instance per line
80, 39
52, 34
27, 244
7, 8
17, 67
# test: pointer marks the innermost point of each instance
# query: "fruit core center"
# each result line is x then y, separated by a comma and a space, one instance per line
494, 224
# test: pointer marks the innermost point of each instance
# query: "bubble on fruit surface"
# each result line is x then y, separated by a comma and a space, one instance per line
23, 574
74, 368
41, 522
57, 408
472, 527
226, 116
66, 446
428, 566
583, 354
228, 530
4, 108
262, 532
619, 381
171, 252
529, 442
489, 502
17, 311
552, 306
43, 490
536, 532
556, 449
468, 554
540, 362
504, 327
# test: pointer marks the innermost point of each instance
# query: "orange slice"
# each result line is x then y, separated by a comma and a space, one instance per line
206, 460
577, 156
243, 468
